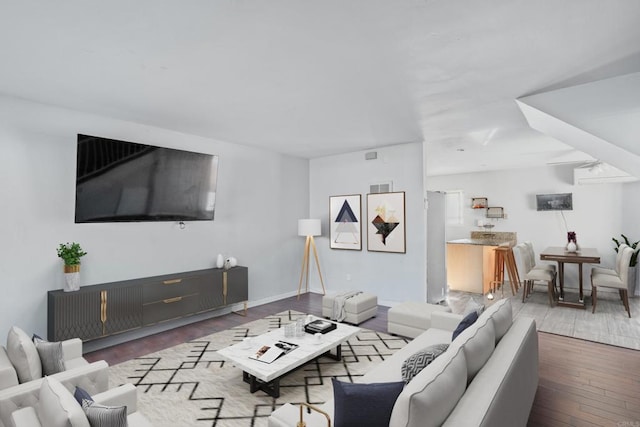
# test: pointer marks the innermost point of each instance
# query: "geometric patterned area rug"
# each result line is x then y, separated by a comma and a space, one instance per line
190, 385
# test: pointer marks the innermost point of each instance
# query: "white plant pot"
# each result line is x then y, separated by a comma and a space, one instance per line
71, 277
72, 281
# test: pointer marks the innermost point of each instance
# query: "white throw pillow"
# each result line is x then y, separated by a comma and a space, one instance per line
57, 407
502, 315
478, 342
23, 355
431, 395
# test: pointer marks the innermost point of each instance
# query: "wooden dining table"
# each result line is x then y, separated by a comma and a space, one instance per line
560, 255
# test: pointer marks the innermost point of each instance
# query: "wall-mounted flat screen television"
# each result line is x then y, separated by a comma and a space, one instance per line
554, 202
126, 181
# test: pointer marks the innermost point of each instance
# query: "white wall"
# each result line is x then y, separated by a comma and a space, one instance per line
630, 209
260, 197
600, 211
392, 277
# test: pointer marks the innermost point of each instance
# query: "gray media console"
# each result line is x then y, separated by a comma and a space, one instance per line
99, 311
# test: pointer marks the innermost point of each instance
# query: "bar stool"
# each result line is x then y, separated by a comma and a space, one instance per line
512, 270
498, 273
504, 258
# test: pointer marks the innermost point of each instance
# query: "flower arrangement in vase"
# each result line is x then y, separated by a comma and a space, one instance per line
572, 243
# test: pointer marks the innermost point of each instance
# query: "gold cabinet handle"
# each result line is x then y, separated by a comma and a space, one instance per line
103, 306
103, 310
170, 300
172, 281
225, 289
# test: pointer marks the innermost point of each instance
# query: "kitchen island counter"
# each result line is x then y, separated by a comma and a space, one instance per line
471, 262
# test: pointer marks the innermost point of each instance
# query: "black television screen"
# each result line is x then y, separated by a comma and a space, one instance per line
554, 202
125, 181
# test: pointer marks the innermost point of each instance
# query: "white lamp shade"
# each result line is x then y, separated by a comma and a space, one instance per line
309, 227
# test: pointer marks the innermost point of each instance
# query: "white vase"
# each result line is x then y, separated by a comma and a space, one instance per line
71, 281
571, 247
230, 262
220, 261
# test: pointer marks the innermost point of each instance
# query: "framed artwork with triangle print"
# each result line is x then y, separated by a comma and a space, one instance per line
345, 222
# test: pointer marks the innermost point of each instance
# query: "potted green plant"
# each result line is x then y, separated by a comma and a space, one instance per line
71, 254
634, 277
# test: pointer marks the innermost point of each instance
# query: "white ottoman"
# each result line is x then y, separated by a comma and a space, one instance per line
358, 308
411, 318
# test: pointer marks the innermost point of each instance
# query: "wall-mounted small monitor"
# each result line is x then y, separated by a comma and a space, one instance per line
554, 202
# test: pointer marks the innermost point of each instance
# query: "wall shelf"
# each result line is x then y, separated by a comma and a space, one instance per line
479, 203
495, 212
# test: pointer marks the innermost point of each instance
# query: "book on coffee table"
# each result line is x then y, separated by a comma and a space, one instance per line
319, 326
269, 353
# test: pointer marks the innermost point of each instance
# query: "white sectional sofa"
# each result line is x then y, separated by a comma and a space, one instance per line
487, 377
411, 318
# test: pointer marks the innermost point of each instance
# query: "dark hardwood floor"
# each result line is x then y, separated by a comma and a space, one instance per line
582, 383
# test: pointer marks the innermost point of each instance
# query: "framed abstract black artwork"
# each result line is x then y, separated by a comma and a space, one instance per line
386, 228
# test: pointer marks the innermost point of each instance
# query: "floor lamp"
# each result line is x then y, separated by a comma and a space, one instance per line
309, 228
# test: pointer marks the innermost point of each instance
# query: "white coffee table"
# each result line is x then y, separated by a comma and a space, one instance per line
266, 376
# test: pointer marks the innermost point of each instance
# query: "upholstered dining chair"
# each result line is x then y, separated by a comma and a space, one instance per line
528, 245
532, 275
617, 281
616, 269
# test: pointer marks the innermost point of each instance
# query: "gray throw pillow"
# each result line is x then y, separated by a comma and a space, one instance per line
420, 360
51, 356
104, 416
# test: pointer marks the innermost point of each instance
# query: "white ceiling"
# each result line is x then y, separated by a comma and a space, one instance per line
313, 78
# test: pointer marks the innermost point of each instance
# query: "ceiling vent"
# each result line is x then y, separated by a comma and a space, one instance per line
600, 173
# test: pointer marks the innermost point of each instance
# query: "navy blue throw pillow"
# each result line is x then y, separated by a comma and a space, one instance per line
358, 405
81, 394
465, 323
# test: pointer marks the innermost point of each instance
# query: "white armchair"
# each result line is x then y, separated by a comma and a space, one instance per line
56, 403
23, 360
21, 371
